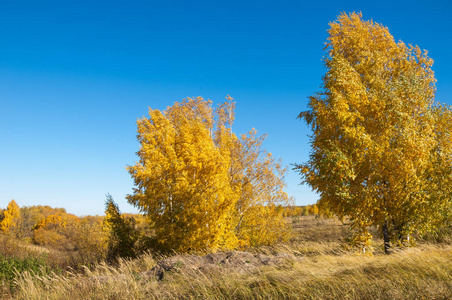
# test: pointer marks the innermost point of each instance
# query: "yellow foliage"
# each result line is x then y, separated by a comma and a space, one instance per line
50, 238
374, 129
199, 183
56, 220
90, 238
56, 230
11, 217
313, 209
68, 232
263, 225
258, 180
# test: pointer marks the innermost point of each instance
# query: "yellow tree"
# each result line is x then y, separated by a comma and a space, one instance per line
56, 229
258, 180
194, 183
313, 209
261, 183
373, 130
57, 221
89, 238
11, 217
182, 178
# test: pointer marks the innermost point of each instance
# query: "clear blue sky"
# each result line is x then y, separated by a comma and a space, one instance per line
75, 76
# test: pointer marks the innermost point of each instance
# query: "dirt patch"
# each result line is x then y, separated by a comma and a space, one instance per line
236, 261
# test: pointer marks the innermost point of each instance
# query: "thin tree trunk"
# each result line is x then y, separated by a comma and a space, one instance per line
398, 231
386, 237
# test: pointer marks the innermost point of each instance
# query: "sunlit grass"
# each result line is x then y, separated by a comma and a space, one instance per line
318, 267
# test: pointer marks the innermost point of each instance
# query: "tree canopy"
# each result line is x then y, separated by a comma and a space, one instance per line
11, 217
201, 185
376, 147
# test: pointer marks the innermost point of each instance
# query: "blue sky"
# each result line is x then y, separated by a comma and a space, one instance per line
76, 75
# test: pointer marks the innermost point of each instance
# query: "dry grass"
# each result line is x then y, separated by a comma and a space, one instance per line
317, 268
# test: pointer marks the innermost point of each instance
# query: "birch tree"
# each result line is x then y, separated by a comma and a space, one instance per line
198, 182
374, 131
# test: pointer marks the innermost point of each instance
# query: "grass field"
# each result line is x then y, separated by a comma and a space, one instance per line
313, 265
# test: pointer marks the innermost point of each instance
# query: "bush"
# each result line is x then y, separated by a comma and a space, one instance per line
10, 267
50, 238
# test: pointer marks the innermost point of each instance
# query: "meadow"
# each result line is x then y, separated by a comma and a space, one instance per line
314, 264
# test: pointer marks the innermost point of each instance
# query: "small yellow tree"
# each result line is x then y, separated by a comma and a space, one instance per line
257, 179
182, 178
203, 187
11, 217
313, 209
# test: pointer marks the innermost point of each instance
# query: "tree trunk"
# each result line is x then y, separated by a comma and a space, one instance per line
386, 237
398, 229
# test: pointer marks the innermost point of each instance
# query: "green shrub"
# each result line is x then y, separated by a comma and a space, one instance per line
10, 267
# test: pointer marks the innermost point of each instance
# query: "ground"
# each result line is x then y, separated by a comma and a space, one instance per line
313, 265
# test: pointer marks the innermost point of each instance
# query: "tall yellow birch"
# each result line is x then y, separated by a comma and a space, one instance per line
373, 130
